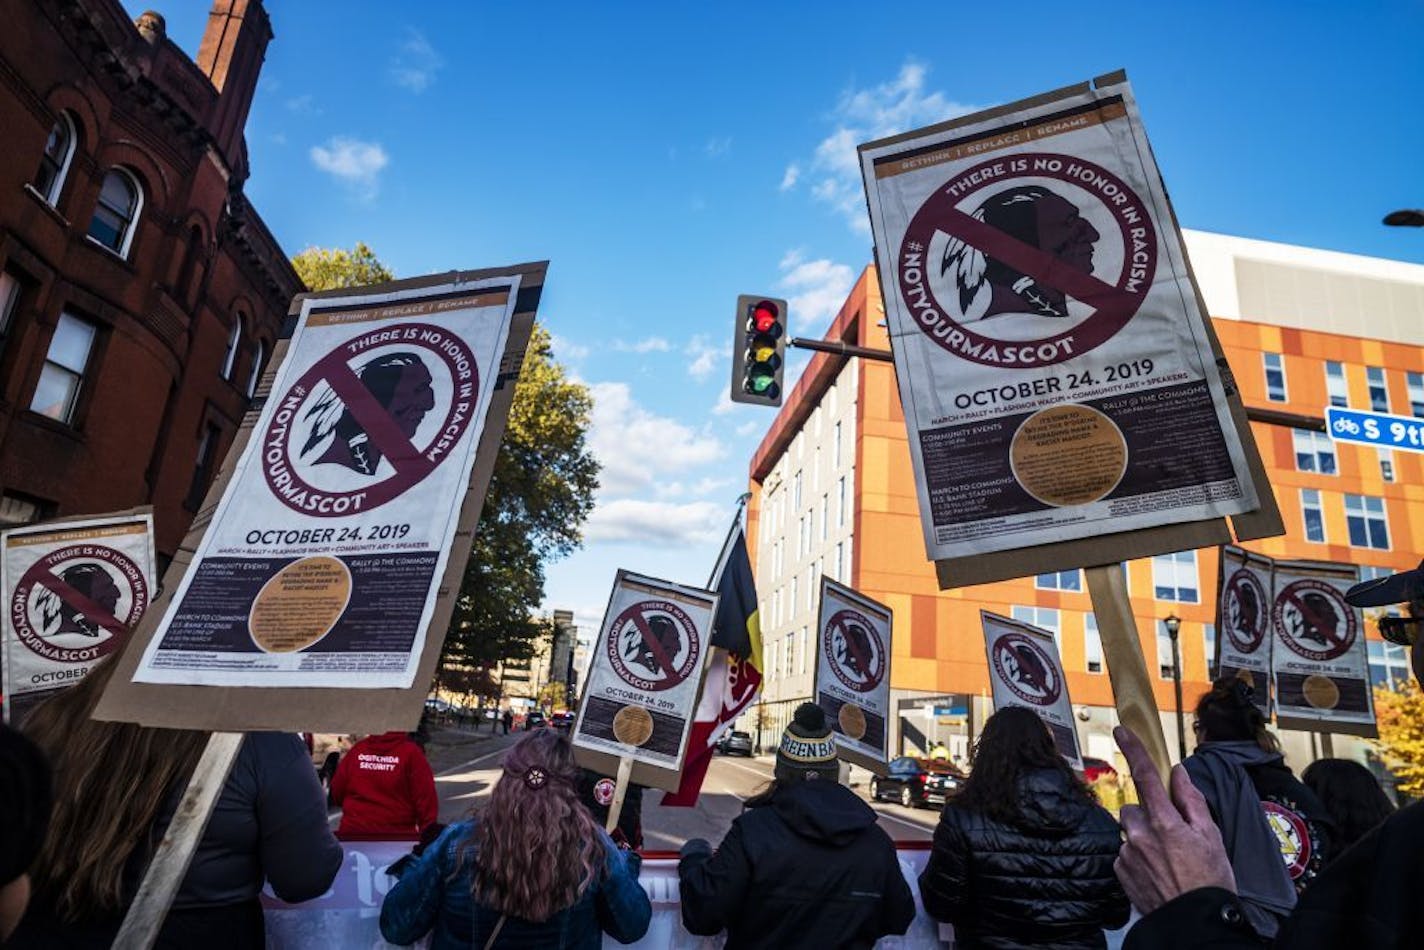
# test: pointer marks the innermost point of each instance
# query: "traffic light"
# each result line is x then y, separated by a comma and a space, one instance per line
758, 348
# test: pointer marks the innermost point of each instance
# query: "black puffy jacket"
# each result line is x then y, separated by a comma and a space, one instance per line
809, 869
1046, 880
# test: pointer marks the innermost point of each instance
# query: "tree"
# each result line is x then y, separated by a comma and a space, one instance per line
328, 268
1400, 716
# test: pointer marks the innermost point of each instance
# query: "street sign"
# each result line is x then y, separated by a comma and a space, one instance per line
1375, 428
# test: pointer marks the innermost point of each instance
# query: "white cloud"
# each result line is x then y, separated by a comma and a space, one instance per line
860, 116
353, 162
705, 358
748, 427
416, 62
652, 344
792, 175
305, 104
637, 447
717, 147
657, 523
815, 289
566, 349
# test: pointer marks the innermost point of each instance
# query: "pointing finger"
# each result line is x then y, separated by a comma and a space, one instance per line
1144, 773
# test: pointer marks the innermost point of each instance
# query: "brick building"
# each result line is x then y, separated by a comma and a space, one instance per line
834, 493
140, 295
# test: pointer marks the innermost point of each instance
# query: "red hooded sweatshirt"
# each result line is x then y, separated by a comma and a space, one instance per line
385, 789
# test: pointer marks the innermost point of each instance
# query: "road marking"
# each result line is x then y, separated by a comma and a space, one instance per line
904, 821
465, 765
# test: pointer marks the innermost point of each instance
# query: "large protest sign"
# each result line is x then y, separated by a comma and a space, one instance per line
644, 677
73, 591
1056, 369
1318, 659
1025, 670
1243, 621
330, 549
853, 673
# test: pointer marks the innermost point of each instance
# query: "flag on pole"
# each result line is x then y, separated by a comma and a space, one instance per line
734, 677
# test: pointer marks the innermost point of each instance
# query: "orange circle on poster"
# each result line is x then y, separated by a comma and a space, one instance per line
852, 721
633, 725
1068, 455
1320, 691
299, 604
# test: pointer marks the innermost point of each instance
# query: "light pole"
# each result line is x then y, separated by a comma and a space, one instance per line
1173, 623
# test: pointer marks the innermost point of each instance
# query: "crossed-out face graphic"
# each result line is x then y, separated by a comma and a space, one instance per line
1244, 601
857, 654
1026, 669
1292, 836
1313, 620
74, 604
653, 645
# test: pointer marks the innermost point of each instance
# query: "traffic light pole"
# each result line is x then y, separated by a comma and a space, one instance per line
841, 349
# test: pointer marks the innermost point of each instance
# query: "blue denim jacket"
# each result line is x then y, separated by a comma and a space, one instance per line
435, 892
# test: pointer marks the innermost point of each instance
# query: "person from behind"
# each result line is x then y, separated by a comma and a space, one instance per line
1276, 831
805, 865
1351, 797
25, 801
533, 870
117, 786
385, 789
1023, 855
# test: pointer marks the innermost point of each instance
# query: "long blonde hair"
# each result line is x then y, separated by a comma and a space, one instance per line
110, 780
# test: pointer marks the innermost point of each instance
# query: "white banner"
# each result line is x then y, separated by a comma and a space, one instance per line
72, 592
1054, 367
1318, 658
853, 671
322, 561
1025, 670
646, 670
1243, 621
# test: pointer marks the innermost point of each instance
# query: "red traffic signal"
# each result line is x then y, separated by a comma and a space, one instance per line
758, 345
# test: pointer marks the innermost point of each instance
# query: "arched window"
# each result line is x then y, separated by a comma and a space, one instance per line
258, 355
54, 163
120, 200
234, 339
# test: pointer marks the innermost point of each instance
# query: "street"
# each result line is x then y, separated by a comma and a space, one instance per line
730, 781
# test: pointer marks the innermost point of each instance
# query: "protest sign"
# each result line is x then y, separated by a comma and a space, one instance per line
1025, 670
853, 673
1243, 621
73, 591
644, 678
1055, 365
1318, 657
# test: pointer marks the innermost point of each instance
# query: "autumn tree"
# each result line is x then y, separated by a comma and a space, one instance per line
539, 496
1400, 716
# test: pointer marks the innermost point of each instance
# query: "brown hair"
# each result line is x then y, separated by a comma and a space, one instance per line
1226, 713
110, 781
1014, 742
539, 848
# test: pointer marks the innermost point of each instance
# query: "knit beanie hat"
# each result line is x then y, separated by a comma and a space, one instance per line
807, 749
24, 803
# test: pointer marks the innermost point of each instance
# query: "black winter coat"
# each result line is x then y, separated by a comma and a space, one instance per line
809, 869
1046, 880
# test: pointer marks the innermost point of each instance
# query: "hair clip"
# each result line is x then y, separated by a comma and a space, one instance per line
535, 777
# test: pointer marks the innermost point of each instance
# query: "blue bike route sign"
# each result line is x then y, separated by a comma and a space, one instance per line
1375, 428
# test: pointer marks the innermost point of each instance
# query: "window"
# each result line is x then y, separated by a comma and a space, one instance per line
1336, 386
120, 200
54, 163
812, 584
1174, 576
795, 589
64, 365
203, 473
1314, 451
825, 515
1044, 617
800, 536
1364, 516
257, 356
9, 300
1386, 460
234, 340
1313, 515
1092, 644
787, 654
1060, 580
801, 653
816, 469
1209, 649
771, 659
841, 503
17, 509
1379, 390
1415, 384
796, 492
836, 454
1165, 667
1275, 377
1389, 664
840, 562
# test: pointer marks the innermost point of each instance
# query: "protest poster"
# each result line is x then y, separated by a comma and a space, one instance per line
644, 677
1318, 655
73, 590
1055, 365
1243, 621
853, 673
1025, 670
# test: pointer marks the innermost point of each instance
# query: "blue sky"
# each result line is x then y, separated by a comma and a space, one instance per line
667, 157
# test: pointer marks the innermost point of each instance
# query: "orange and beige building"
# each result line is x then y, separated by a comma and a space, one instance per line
833, 494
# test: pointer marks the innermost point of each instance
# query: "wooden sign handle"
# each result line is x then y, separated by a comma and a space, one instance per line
1127, 669
615, 807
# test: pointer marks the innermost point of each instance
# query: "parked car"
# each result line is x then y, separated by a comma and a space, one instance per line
534, 719
562, 720
735, 743
1094, 769
917, 782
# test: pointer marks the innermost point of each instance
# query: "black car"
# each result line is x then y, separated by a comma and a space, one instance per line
562, 721
917, 782
535, 720
735, 743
